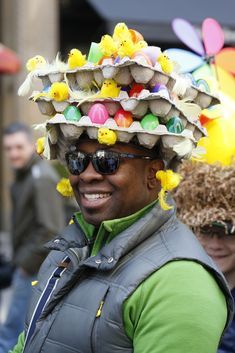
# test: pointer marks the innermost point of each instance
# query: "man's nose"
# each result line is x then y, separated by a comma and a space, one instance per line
90, 174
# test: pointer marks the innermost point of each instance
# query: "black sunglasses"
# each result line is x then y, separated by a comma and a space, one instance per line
104, 161
219, 228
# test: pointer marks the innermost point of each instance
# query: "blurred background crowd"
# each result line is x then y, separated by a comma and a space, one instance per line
45, 27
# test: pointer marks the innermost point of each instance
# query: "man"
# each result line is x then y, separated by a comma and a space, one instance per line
34, 221
126, 276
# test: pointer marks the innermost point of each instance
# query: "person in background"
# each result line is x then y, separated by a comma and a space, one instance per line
37, 215
206, 198
206, 203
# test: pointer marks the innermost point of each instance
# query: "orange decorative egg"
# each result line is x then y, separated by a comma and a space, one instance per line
123, 118
135, 36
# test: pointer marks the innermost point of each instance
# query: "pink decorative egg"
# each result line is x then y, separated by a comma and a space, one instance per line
98, 113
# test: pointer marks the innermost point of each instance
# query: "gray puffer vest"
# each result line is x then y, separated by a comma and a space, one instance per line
84, 311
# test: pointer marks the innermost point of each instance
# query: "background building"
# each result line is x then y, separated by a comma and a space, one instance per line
45, 27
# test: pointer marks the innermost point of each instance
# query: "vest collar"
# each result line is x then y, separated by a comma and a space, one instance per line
75, 244
126, 241
109, 229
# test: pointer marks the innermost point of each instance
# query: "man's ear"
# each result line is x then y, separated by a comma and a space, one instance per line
154, 167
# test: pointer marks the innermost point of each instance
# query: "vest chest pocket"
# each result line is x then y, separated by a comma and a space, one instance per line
76, 317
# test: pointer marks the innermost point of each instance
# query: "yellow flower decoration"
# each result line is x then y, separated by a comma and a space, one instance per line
169, 180
64, 187
40, 145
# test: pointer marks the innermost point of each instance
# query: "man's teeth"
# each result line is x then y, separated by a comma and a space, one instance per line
96, 196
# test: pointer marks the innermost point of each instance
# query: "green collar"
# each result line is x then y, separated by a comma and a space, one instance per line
109, 229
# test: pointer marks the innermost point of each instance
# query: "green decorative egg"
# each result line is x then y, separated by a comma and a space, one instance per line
149, 122
95, 53
72, 113
175, 125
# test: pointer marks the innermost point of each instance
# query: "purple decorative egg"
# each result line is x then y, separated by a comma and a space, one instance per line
98, 113
158, 87
125, 88
117, 60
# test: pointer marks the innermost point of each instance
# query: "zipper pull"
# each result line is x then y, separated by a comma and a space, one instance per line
100, 309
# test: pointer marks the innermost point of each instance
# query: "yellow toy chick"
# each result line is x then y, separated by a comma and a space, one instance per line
36, 62
128, 48
109, 89
40, 145
121, 32
107, 136
166, 64
59, 91
76, 59
108, 46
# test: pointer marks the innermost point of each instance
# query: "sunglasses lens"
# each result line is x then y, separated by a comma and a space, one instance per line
77, 162
106, 162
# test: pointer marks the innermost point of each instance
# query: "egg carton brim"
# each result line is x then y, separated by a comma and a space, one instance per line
124, 73
157, 103
61, 133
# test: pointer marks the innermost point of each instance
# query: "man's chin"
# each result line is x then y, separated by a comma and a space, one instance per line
95, 217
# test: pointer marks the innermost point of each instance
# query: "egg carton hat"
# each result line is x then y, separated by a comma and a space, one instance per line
123, 91
206, 195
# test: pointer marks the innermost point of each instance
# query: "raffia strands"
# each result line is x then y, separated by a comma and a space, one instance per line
206, 194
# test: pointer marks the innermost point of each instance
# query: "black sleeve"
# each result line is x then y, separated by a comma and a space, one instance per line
49, 220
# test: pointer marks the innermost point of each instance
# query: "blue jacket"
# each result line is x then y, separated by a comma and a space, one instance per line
227, 344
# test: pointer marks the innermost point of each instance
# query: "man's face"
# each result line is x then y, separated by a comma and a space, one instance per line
18, 148
105, 197
221, 249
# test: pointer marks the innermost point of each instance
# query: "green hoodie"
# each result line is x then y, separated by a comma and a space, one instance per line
178, 309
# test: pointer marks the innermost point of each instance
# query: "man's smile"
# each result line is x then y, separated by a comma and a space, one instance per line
94, 199
97, 196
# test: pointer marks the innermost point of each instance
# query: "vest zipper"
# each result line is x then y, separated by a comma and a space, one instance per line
98, 314
96, 320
